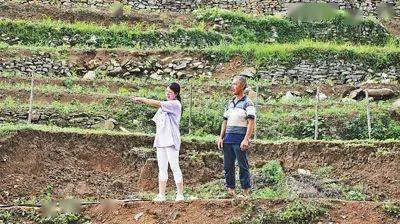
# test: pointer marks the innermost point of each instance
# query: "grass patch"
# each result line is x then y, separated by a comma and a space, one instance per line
294, 212
245, 27
212, 190
392, 209
355, 194
270, 182
23, 216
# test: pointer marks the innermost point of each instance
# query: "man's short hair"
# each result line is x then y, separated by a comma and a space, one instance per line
242, 80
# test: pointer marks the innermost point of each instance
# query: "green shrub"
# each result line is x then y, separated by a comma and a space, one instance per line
392, 209
272, 172
355, 194
284, 30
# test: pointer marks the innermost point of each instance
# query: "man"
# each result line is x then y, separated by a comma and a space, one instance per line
236, 130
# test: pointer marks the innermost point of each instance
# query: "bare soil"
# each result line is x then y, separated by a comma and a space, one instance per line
225, 210
393, 25
108, 166
356, 164
84, 166
220, 211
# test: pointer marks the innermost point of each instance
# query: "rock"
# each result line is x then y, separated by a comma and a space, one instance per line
252, 94
118, 184
188, 59
296, 93
116, 71
322, 96
348, 90
78, 120
165, 60
191, 198
310, 91
217, 27
180, 75
180, 66
158, 65
137, 216
3, 159
92, 40
304, 172
109, 124
348, 100
135, 70
175, 215
156, 76
379, 94
249, 72
288, 97
92, 64
357, 94
35, 116
396, 104
197, 64
113, 121
90, 75
167, 70
124, 129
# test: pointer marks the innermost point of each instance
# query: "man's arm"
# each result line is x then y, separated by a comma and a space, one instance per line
250, 128
221, 135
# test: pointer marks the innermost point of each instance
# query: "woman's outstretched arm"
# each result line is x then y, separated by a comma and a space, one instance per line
154, 103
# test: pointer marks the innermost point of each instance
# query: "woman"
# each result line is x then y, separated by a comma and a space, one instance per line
167, 139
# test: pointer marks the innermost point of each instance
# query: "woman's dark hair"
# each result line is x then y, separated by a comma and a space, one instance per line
177, 90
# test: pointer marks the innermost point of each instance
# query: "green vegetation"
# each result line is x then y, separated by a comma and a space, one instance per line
212, 190
324, 172
263, 55
247, 28
392, 209
295, 212
276, 119
19, 216
242, 28
355, 194
375, 57
58, 33
272, 172
48, 215
272, 183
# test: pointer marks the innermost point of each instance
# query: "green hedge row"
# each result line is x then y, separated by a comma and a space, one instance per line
241, 29
340, 28
49, 33
262, 55
280, 123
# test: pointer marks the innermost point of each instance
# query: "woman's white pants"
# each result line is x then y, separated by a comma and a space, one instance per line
169, 155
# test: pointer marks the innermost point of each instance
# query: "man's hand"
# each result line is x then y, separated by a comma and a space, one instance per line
220, 143
244, 146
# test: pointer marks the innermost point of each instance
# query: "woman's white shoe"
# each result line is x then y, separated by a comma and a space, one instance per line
179, 197
159, 198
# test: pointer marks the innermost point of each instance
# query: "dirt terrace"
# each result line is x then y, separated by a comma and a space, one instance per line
116, 166
220, 211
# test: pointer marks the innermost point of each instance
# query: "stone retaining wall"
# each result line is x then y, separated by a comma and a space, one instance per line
338, 71
268, 7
